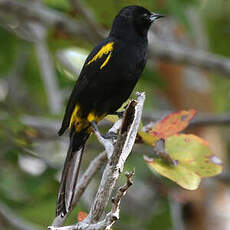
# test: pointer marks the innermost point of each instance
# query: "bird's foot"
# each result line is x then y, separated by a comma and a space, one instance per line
110, 135
108, 143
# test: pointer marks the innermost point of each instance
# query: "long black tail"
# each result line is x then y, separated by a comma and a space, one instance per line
70, 171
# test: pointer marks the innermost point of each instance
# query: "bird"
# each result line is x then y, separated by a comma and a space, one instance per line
106, 81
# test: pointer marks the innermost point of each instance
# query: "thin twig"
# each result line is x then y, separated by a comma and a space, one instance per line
115, 210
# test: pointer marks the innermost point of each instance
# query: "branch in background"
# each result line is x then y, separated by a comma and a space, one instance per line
162, 50
79, 7
27, 11
13, 221
122, 149
47, 69
201, 119
15, 77
172, 52
176, 213
47, 128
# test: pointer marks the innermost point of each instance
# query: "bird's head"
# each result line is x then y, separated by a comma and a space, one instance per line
134, 19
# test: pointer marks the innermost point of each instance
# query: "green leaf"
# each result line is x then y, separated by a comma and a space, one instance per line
148, 138
194, 161
112, 118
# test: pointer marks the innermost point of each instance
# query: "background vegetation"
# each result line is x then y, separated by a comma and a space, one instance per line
34, 87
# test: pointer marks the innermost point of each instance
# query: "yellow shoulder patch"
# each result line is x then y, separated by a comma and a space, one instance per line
106, 49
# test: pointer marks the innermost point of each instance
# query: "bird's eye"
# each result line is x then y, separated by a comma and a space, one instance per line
146, 18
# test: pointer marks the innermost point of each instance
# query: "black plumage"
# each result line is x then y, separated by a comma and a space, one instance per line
107, 79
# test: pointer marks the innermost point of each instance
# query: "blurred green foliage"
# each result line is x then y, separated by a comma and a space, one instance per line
34, 197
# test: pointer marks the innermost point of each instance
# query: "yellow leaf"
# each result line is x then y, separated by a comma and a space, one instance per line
194, 161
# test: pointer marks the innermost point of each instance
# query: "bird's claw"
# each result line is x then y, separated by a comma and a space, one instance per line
110, 135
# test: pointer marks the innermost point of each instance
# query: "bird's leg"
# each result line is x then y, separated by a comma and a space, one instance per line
95, 127
97, 132
106, 142
108, 135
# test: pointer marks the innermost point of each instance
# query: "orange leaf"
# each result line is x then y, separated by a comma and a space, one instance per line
172, 123
81, 216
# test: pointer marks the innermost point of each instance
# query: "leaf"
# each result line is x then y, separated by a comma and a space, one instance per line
81, 216
172, 123
148, 138
194, 161
112, 118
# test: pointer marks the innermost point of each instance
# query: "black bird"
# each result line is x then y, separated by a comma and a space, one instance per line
107, 79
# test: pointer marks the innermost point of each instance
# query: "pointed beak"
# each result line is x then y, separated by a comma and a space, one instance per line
155, 16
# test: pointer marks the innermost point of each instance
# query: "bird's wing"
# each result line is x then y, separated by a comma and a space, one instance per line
95, 62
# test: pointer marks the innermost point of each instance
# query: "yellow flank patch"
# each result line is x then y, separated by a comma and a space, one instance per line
106, 49
82, 123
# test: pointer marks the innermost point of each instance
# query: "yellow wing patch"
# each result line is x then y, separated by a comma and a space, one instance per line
106, 49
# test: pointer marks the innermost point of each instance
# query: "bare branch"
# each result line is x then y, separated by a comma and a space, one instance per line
111, 217
95, 165
115, 211
115, 165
